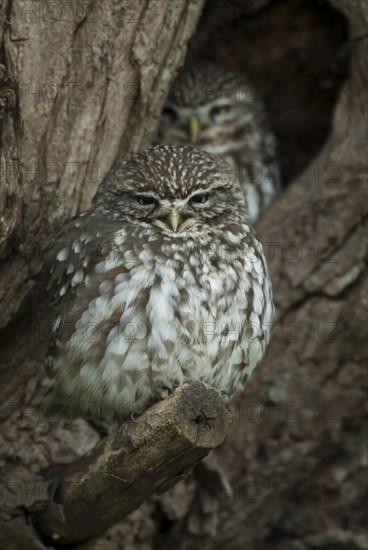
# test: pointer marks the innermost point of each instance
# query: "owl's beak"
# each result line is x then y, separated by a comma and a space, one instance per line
194, 128
174, 219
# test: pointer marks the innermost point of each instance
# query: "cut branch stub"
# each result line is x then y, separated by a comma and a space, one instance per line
138, 460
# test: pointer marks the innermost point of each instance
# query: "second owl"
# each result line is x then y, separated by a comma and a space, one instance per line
218, 110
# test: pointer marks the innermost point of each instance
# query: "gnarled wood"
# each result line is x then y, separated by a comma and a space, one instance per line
142, 457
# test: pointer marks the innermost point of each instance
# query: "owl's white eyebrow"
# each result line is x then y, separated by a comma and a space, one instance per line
198, 192
220, 102
201, 191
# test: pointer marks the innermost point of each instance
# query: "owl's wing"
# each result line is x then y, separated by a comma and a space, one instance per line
74, 253
75, 250
81, 244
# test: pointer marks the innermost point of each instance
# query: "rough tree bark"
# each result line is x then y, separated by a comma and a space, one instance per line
84, 87
82, 84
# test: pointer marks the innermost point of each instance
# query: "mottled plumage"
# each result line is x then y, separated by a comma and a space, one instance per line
161, 281
217, 109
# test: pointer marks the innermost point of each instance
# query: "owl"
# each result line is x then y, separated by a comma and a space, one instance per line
160, 282
218, 110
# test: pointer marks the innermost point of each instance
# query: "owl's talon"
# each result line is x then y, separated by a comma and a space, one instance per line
164, 391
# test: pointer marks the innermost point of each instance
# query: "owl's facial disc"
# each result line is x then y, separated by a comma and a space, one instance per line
167, 215
186, 214
199, 124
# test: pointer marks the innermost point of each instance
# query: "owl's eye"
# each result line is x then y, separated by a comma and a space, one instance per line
170, 113
146, 200
200, 198
220, 110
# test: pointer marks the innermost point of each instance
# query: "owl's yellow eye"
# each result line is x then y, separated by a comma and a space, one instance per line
146, 200
220, 110
200, 198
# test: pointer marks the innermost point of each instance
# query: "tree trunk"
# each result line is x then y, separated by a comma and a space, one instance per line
81, 86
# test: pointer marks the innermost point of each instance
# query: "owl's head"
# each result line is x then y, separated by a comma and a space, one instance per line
176, 189
212, 107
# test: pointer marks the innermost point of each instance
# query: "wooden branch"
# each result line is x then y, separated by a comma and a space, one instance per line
141, 458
